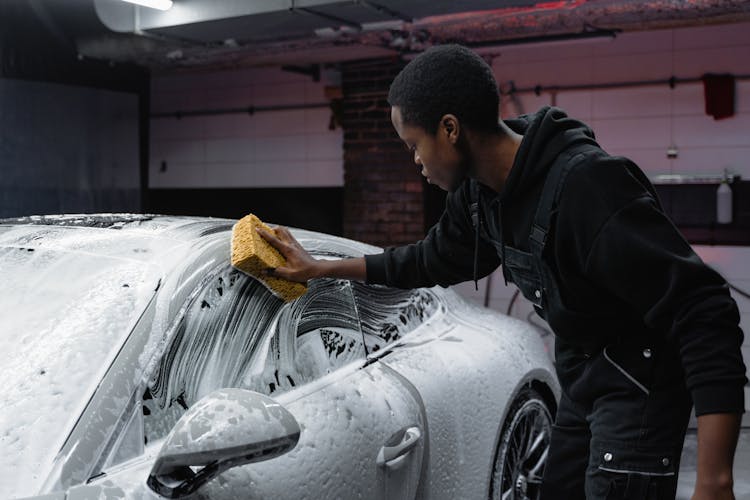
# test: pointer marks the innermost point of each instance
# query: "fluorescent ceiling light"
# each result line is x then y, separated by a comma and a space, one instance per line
154, 4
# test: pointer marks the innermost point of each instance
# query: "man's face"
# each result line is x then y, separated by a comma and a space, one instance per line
442, 163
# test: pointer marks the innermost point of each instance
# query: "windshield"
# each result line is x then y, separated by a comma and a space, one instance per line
65, 314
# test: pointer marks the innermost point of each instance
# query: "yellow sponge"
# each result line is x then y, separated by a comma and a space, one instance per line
251, 254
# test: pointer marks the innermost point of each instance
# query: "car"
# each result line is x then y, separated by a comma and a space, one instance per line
139, 364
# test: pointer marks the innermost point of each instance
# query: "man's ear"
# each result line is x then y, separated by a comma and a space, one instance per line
449, 125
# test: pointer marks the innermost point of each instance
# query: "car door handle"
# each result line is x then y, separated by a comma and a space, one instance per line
399, 445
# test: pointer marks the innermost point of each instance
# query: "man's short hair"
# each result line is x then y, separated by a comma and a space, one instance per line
447, 79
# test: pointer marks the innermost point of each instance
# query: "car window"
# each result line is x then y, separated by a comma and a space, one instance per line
314, 336
387, 314
237, 334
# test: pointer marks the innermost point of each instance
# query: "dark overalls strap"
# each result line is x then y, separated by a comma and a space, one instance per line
553, 186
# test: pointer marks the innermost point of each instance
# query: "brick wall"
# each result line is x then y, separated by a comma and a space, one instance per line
383, 188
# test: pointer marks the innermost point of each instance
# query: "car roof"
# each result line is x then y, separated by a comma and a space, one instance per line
135, 231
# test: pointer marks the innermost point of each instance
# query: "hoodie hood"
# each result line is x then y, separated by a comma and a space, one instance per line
546, 134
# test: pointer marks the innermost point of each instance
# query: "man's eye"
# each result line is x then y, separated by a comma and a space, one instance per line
411, 149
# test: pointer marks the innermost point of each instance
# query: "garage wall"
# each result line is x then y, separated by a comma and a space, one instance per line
291, 148
733, 264
67, 149
284, 166
642, 123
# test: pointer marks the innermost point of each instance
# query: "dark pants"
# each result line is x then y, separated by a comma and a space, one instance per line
620, 426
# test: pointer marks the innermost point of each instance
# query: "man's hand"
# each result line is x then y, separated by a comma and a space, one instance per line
300, 266
717, 440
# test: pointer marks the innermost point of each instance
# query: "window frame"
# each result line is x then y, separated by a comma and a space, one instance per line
389, 345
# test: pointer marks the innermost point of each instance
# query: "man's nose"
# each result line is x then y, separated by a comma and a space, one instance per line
417, 159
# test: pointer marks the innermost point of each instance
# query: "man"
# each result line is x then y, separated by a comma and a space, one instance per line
643, 328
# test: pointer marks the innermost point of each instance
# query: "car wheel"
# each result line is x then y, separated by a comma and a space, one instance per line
523, 448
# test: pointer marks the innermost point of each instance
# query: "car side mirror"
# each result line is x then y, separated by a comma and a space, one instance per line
227, 428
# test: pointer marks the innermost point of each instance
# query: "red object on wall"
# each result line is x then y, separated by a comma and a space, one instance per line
718, 91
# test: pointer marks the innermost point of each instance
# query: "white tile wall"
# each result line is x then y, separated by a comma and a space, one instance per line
623, 67
712, 160
277, 148
635, 43
232, 149
528, 53
523, 103
233, 97
178, 151
225, 126
623, 134
178, 175
279, 123
618, 103
687, 100
701, 37
721, 59
323, 146
742, 96
229, 175
317, 120
292, 148
732, 263
280, 93
578, 104
643, 122
654, 157
703, 130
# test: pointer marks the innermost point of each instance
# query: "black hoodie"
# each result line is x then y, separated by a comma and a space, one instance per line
617, 258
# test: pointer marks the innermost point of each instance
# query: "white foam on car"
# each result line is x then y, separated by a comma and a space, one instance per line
69, 299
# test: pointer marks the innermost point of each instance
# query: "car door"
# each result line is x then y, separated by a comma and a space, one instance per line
362, 424
400, 328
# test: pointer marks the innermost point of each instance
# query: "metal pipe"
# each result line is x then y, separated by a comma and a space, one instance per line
249, 110
385, 10
538, 89
329, 17
513, 90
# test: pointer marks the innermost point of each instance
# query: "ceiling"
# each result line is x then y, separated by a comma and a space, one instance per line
224, 33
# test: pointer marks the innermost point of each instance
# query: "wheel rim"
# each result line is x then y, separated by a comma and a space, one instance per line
523, 453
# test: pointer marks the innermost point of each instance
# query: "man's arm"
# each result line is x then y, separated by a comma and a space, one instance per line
717, 440
301, 266
445, 256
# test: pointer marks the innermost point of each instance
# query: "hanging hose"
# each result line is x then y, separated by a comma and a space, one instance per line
487, 290
512, 301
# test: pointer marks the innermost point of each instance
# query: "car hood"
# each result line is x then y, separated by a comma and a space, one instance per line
70, 297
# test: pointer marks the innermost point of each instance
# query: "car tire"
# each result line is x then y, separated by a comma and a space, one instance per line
522, 449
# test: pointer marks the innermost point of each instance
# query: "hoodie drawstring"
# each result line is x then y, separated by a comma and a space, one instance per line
475, 221
502, 240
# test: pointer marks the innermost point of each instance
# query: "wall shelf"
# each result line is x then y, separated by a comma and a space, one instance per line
672, 179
